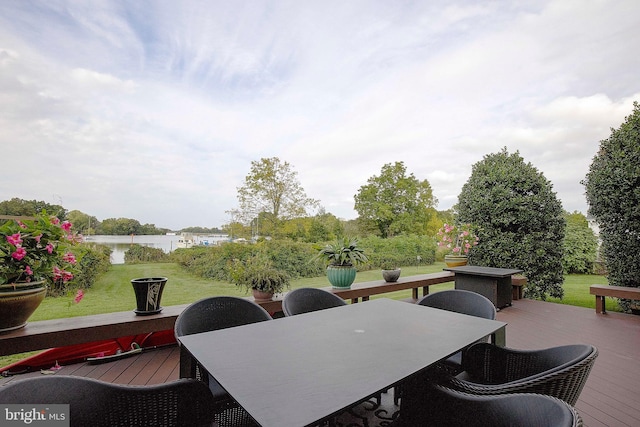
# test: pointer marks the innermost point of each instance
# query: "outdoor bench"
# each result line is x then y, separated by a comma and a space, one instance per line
601, 291
518, 282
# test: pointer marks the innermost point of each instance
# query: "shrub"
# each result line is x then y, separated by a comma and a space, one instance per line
138, 253
613, 193
403, 250
93, 260
520, 221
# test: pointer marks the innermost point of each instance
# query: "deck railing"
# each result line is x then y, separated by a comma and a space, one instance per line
46, 334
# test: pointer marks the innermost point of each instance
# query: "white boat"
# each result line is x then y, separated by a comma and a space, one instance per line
185, 241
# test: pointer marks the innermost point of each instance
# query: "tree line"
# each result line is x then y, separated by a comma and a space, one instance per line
87, 224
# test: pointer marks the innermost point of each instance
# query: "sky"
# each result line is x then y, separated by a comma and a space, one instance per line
154, 110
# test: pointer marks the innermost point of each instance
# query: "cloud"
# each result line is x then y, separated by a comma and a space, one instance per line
155, 110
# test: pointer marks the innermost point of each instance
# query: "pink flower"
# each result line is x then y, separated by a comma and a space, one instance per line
28, 270
57, 272
55, 220
66, 226
79, 296
14, 239
69, 257
19, 254
49, 248
22, 224
38, 237
66, 276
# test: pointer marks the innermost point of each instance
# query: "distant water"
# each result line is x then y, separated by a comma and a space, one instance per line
120, 244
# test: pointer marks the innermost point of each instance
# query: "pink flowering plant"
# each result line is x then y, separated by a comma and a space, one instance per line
457, 239
37, 249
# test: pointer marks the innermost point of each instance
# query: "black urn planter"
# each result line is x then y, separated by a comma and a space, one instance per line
148, 294
391, 275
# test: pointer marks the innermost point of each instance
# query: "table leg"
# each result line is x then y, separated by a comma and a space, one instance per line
499, 337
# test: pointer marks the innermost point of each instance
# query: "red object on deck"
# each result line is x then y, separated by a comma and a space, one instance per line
79, 353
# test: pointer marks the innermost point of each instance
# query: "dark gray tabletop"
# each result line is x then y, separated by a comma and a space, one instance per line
484, 271
298, 370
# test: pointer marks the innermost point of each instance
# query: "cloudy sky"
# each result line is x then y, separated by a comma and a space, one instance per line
154, 110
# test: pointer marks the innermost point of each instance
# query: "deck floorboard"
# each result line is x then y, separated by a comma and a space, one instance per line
611, 396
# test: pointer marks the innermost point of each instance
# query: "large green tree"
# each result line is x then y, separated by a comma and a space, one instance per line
580, 245
520, 220
272, 188
82, 222
20, 207
613, 193
394, 202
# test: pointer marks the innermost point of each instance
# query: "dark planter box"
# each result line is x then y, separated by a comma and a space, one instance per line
148, 292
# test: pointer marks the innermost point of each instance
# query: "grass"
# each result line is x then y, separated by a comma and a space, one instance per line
113, 291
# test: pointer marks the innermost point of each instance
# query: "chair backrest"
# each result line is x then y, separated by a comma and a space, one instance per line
304, 300
461, 301
91, 402
560, 371
445, 407
509, 365
219, 312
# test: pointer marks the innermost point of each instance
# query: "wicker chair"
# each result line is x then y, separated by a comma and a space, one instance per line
464, 302
211, 314
558, 371
97, 403
305, 300
448, 408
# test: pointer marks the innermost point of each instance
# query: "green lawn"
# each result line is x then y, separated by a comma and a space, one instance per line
113, 292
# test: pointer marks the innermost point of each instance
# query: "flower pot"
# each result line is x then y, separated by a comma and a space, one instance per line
259, 295
148, 292
18, 302
341, 276
391, 275
455, 260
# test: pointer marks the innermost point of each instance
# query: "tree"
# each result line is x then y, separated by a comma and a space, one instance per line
613, 194
520, 221
119, 227
22, 207
272, 187
580, 245
394, 203
82, 222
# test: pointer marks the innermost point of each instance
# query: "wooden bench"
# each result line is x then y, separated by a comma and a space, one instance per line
518, 283
601, 291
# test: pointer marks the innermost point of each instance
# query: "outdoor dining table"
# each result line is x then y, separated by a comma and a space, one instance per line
304, 369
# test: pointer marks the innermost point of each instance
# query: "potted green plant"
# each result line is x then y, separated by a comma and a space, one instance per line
457, 241
34, 255
341, 258
258, 274
390, 270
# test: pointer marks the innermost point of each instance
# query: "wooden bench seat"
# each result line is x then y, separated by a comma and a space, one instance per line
601, 291
518, 283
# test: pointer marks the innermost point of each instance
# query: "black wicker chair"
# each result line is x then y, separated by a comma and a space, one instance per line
96, 403
464, 302
444, 407
211, 314
558, 371
305, 300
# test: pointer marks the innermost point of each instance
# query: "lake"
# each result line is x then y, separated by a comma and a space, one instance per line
168, 243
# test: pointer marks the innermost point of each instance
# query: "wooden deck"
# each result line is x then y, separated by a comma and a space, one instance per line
610, 398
